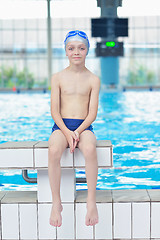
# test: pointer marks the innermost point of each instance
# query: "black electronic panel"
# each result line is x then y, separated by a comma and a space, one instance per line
99, 27
103, 49
121, 27
109, 27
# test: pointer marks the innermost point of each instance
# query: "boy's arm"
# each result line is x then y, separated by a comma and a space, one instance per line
93, 105
55, 112
55, 103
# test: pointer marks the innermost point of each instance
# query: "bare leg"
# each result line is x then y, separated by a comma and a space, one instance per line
57, 144
87, 145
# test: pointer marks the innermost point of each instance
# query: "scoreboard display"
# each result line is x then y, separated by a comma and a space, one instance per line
111, 48
109, 27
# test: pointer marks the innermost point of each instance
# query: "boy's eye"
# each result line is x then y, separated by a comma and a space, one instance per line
82, 48
70, 48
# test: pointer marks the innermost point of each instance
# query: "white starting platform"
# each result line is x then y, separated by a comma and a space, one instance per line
123, 214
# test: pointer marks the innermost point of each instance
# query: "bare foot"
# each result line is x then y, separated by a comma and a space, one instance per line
92, 213
56, 218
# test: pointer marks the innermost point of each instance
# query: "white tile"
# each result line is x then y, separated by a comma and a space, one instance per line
82, 231
44, 191
141, 220
46, 231
11, 158
103, 230
155, 220
41, 158
10, 224
67, 158
122, 220
103, 156
28, 221
67, 185
66, 231
79, 160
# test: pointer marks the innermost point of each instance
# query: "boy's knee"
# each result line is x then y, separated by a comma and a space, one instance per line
89, 150
55, 152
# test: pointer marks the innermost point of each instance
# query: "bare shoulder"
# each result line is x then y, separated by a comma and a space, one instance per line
55, 80
94, 79
58, 76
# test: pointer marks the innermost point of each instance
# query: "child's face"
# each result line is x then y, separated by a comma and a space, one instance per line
76, 52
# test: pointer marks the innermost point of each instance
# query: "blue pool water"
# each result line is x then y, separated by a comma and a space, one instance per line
131, 120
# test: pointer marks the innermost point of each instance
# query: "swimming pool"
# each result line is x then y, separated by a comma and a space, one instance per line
131, 120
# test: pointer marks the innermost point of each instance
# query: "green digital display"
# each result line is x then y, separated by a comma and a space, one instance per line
110, 44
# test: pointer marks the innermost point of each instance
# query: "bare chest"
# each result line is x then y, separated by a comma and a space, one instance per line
72, 87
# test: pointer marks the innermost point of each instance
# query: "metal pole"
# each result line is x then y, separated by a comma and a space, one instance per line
49, 41
109, 65
27, 178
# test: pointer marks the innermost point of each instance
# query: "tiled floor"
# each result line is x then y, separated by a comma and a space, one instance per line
128, 195
123, 214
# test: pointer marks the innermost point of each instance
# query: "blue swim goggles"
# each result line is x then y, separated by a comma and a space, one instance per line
77, 32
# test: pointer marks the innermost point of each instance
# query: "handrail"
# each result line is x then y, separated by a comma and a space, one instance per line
27, 178
81, 180
34, 180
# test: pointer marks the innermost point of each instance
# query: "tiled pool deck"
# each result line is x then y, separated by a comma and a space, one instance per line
123, 214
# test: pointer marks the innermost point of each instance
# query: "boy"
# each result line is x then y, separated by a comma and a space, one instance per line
74, 105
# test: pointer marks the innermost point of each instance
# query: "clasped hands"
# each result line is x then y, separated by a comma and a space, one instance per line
73, 139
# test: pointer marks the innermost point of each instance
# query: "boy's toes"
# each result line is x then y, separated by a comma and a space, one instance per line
56, 224
87, 222
94, 222
53, 223
59, 223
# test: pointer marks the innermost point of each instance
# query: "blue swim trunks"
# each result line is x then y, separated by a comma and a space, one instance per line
72, 124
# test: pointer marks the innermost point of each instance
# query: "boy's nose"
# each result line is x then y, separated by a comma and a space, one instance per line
76, 51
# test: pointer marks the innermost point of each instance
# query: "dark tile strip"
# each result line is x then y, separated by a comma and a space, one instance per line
148, 195
93, 232
75, 219
74, 200
150, 219
112, 216
19, 221
56, 233
3, 196
111, 156
37, 221
0, 222
131, 220
34, 164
